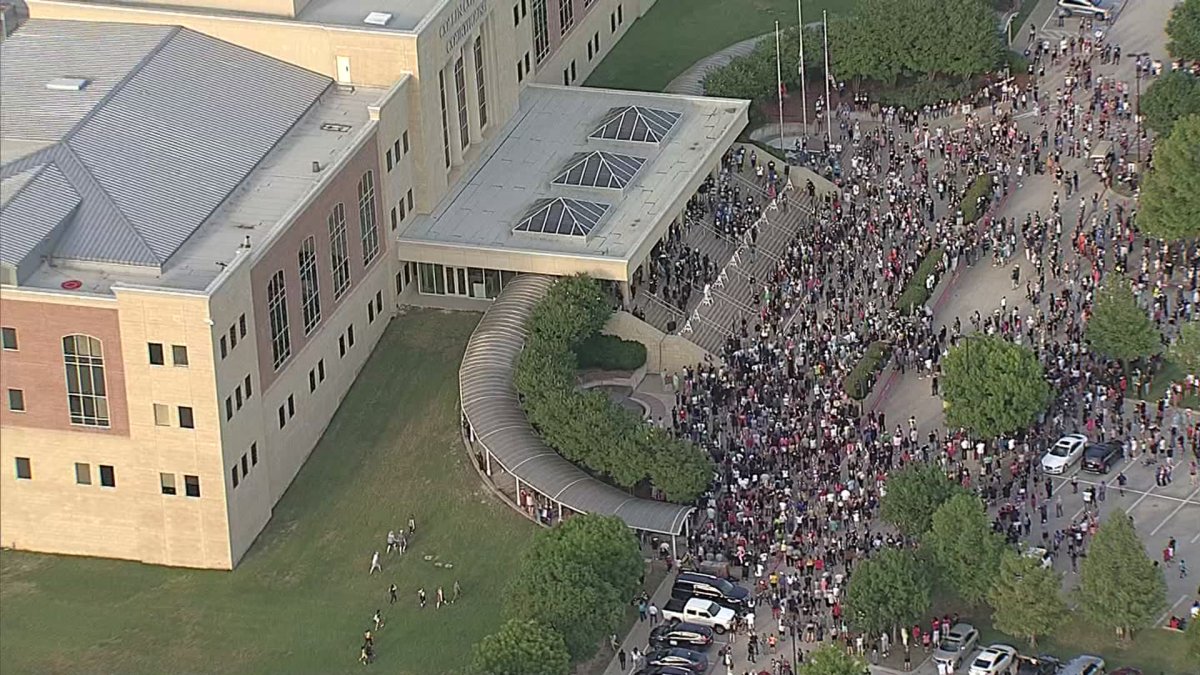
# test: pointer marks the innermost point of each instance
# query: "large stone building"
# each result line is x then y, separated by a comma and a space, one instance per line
210, 210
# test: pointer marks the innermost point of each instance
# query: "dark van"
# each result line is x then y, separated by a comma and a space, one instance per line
690, 585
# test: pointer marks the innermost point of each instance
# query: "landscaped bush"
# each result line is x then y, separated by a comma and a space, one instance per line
861, 379
972, 206
915, 293
920, 93
586, 426
609, 352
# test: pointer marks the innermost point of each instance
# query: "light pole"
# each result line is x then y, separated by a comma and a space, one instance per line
1137, 103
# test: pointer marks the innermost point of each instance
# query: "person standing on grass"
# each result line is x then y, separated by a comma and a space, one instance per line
375, 566
441, 598
457, 591
392, 594
377, 620
421, 597
412, 525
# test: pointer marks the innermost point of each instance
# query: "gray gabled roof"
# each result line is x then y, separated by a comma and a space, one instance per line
169, 123
33, 211
491, 405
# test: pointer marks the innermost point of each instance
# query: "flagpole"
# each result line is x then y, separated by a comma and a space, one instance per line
803, 93
779, 86
828, 100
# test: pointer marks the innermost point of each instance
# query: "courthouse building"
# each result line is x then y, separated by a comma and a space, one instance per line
211, 209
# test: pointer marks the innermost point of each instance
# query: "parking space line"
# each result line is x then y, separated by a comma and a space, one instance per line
1196, 538
1170, 609
1182, 504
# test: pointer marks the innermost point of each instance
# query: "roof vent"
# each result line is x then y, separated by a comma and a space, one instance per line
334, 126
316, 166
67, 84
378, 19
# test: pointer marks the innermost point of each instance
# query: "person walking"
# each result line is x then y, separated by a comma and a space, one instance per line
375, 566
421, 597
392, 594
622, 658
653, 611
377, 620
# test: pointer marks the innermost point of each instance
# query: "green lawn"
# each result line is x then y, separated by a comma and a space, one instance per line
301, 598
674, 34
1171, 372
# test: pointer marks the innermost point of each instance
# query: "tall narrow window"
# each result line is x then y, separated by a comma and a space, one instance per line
566, 15
366, 217
541, 36
445, 117
87, 398
480, 88
281, 340
310, 297
460, 92
339, 254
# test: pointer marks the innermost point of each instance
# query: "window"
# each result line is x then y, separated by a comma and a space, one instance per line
566, 15
191, 485
108, 476
566, 76
224, 347
87, 398
185, 418
527, 68
291, 406
254, 454
162, 415
245, 465
8, 338
234, 474
321, 370
541, 37
339, 254
445, 117
282, 418
520, 73
389, 159
572, 70
394, 221
379, 302
228, 408
310, 296
166, 482
24, 469
480, 86
83, 473
16, 400
396, 150
341, 345
242, 325
408, 198
589, 50
249, 391
179, 356
404, 141
517, 15
403, 209
366, 217
156, 353
312, 381
620, 14
281, 340
460, 92
350, 335
233, 337
237, 396
370, 311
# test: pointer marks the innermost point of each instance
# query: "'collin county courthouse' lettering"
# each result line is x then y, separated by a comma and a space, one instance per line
212, 213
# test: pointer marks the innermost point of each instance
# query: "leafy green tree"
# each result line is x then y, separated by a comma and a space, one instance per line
914, 494
1027, 598
1120, 587
993, 387
830, 660
1170, 204
1185, 351
521, 648
605, 543
965, 547
1183, 31
574, 308
1170, 97
1118, 328
888, 590
681, 470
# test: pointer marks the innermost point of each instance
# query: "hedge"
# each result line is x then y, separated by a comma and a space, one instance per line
587, 427
609, 352
982, 187
861, 379
915, 293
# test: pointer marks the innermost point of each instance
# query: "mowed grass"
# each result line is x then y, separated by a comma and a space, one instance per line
1169, 373
674, 34
301, 598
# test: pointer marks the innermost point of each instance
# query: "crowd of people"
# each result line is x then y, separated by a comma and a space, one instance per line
801, 463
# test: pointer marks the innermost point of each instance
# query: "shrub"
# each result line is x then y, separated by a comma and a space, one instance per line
922, 92
972, 206
861, 379
609, 352
915, 293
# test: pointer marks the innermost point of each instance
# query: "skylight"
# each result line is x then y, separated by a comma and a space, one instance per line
561, 216
636, 123
599, 169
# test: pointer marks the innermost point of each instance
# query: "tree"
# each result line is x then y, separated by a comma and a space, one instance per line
1117, 327
889, 590
1183, 31
1027, 599
572, 598
1167, 99
573, 309
913, 495
1185, 351
993, 387
1170, 204
831, 660
606, 544
965, 547
521, 648
1120, 587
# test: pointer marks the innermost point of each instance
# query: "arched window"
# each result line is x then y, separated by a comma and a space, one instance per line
87, 396
281, 340
366, 217
310, 296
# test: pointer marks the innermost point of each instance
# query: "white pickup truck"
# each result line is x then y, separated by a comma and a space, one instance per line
703, 612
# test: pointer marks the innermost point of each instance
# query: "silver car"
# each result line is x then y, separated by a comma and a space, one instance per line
957, 645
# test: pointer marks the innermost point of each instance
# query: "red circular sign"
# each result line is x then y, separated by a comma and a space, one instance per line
72, 285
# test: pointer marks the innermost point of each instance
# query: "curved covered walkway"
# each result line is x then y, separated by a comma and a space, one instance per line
498, 429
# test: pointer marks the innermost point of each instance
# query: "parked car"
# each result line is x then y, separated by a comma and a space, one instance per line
696, 585
681, 634
995, 660
1042, 664
957, 645
1097, 9
1100, 457
1065, 452
701, 611
663, 670
678, 657
1085, 664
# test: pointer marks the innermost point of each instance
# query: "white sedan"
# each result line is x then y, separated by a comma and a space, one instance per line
1064, 453
995, 660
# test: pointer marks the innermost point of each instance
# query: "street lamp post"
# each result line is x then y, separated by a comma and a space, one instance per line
1137, 104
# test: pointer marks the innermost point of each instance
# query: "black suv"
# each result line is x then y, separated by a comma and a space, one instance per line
681, 634
690, 585
1101, 457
